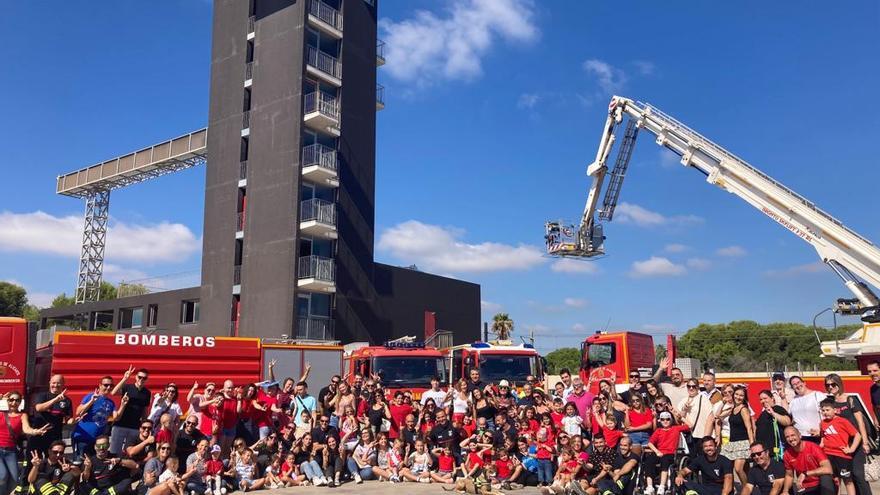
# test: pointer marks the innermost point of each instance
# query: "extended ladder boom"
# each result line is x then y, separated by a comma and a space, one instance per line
853, 257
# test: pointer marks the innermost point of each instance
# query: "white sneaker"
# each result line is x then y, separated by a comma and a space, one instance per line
319, 481
424, 480
661, 490
209, 492
357, 478
395, 478
649, 490
223, 491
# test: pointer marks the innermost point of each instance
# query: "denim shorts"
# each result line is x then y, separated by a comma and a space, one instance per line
639, 437
230, 433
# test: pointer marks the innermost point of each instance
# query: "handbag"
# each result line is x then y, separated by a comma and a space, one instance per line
386, 425
19, 451
872, 469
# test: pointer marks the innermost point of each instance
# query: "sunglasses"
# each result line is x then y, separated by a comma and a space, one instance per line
692, 386
103, 446
665, 419
238, 445
190, 423
758, 454
57, 452
634, 375
142, 377
106, 385
164, 448
829, 385
13, 399
146, 427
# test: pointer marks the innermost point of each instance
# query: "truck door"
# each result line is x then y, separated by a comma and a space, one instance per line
599, 362
457, 366
13, 354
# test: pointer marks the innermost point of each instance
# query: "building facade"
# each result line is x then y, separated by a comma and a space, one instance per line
290, 191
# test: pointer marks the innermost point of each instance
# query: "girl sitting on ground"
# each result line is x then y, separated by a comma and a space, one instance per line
445, 466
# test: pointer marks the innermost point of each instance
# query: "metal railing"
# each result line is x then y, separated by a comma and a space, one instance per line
325, 13
315, 329
380, 94
242, 170
380, 50
246, 119
324, 62
252, 24
239, 225
321, 103
236, 275
248, 71
320, 155
317, 267
318, 210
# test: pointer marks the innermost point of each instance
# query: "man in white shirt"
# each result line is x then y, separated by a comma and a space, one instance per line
565, 376
441, 398
675, 389
805, 410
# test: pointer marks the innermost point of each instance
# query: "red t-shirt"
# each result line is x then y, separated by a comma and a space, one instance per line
164, 436
557, 419
666, 440
808, 458
264, 418
640, 418
570, 466
611, 437
445, 462
213, 466
836, 433
398, 418
469, 429
504, 468
229, 413
286, 468
545, 451
474, 459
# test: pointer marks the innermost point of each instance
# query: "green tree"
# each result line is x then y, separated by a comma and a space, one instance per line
107, 291
659, 353
749, 346
566, 357
13, 299
502, 326
128, 290
62, 300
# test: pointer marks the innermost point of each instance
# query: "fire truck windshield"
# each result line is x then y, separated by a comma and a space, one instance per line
409, 371
496, 367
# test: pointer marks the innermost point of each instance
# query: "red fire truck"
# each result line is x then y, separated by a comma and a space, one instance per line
27, 359
496, 360
400, 365
613, 355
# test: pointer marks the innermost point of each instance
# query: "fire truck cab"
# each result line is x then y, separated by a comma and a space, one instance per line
496, 360
400, 365
611, 356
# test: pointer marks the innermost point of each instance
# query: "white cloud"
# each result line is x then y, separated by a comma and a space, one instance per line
41, 299
656, 266
609, 78
698, 263
658, 327
428, 46
798, 270
490, 307
643, 217
568, 265
439, 248
528, 100
675, 248
115, 273
578, 327
669, 159
573, 302
40, 232
732, 251
644, 67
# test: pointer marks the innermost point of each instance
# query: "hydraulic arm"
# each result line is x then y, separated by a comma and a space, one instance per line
852, 257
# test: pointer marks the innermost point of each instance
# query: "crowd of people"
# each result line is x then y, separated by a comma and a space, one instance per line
223, 437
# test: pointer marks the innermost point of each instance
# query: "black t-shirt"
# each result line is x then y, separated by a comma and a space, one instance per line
620, 460
322, 394
103, 475
138, 401
444, 434
763, 480
875, 395
498, 436
642, 391
713, 471
409, 436
186, 443
606, 456
51, 473
478, 385
764, 428
53, 416
320, 436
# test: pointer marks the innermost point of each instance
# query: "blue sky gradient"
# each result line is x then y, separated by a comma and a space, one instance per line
492, 116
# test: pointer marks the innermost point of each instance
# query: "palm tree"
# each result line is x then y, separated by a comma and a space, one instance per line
502, 326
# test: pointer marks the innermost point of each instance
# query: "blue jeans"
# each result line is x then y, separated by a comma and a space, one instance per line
196, 485
8, 470
545, 471
311, 469
366, 472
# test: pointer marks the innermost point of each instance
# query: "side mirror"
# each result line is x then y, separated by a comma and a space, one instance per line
469, 361
543, 365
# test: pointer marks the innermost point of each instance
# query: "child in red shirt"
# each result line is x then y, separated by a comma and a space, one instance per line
558, 412
214, 472
505, 469
288, 472
445, 466
165, 433
610, 432
839, 440
661, 448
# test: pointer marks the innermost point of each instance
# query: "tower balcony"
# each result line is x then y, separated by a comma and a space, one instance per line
321, 329
319, 165
380, 97
321, 113
317, 218
380, 53
325, 18
323, 66
316, 274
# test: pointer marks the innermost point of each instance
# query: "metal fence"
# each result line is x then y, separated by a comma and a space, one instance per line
380, 50
318, 210
324, 62
318, 154
315, 329
325, 13
246, 119
249, 71
321, 103
252, 24
239, 225
380, 94
242, 170
236, 275
318, 268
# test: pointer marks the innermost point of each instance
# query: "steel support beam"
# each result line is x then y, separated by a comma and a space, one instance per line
91, 261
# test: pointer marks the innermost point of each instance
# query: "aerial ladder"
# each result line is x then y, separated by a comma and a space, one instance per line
854, 259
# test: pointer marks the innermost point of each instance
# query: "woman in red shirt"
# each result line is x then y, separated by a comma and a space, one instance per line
638, 423
15, 426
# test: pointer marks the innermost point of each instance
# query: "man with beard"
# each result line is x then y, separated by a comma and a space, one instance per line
475, 381
104, 474
50, 408
806, 466
766, 476
327, 393
616, 477
636, 387
443, 434
601, 458
187, 440
50, 473
716, 471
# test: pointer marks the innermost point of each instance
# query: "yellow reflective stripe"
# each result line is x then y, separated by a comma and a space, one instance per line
47, 488
111, 491
94, 491
62, 487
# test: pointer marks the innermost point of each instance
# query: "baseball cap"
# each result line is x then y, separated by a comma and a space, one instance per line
268, 385
215, 448
778, 376
504, 383
665, 415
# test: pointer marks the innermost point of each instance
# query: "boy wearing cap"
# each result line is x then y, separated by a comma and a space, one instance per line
214, 473
661, 449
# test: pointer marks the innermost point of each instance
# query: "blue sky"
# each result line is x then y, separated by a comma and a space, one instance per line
493, 111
